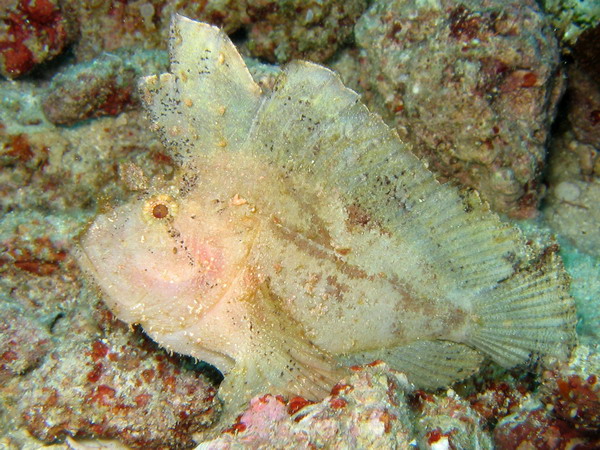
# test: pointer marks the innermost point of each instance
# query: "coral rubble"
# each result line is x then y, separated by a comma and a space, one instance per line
373, 408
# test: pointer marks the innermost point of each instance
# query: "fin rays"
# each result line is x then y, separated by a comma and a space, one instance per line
428, 364
208, 100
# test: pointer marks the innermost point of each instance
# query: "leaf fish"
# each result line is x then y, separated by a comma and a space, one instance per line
300, 236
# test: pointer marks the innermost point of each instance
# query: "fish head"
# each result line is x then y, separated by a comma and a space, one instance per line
166, 261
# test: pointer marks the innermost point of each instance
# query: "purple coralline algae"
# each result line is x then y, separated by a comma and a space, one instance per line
473, 86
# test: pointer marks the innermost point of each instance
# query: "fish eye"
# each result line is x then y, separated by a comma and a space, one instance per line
159, 207
160, 211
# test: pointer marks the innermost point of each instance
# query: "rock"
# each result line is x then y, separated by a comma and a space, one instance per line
473, 87
572, 390
105, 86
31, 32
367, 410
280, 31
373, 408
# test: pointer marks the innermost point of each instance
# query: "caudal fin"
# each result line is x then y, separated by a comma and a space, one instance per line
526, 316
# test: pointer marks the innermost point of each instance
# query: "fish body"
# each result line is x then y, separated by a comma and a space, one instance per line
300, 236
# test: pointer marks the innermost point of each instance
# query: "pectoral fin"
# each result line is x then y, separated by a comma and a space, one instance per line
280, 360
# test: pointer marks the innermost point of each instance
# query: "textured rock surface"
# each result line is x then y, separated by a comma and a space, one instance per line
565, 410
573, 206
105, 86
535, 427
31, 32
473, 87
573, 210
113, 24
572, 389
67, 368
370, 409
65, 169
23, 342
448, 421
282, 30
277, 30
115, 386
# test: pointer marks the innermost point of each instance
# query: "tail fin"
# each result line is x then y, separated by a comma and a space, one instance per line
526, 316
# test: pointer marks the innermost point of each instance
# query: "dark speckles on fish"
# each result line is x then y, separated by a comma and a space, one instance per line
301, 236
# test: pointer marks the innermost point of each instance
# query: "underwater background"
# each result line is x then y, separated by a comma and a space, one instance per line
499, 96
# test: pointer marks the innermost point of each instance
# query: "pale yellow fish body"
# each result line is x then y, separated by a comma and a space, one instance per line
301, 236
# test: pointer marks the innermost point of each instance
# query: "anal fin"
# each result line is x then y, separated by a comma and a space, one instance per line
427, 364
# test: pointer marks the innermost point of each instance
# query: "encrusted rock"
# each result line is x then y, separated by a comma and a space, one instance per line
367, 410
122, 388
448, 421
113, 24
300, 29
67, 368
473, 86
572, 206
31, 32
572, 390
535, 427
23, 342
104, 86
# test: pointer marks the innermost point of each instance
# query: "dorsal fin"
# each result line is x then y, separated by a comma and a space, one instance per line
208, 99
314, 126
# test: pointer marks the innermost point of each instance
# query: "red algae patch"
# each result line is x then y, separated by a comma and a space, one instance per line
31, 32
